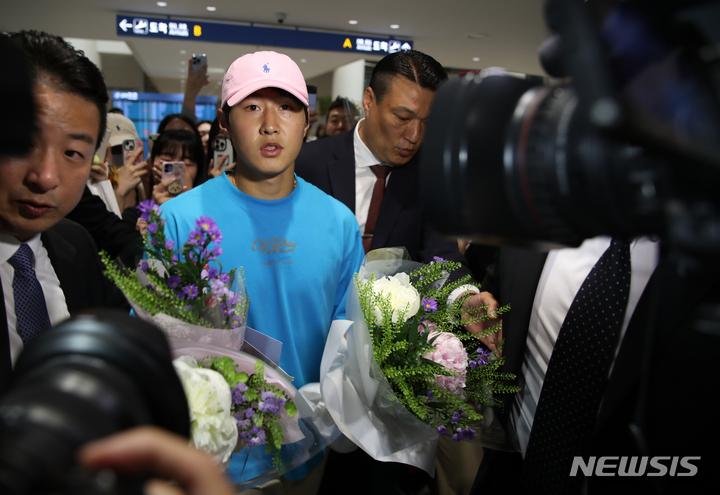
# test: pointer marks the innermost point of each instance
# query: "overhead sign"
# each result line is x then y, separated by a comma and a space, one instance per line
153, 27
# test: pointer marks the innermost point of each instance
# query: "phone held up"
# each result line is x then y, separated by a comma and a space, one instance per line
223, 146
129, 146
198, 61
312, 96
176, 172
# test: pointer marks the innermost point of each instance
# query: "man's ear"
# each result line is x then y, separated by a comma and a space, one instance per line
368, 99
222, 121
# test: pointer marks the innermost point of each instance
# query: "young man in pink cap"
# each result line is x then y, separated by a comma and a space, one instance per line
299, 247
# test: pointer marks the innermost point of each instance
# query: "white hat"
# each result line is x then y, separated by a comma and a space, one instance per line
121, 128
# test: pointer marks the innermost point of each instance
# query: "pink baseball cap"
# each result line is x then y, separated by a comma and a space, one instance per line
259, 70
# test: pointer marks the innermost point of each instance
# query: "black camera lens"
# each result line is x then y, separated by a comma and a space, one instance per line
168, 167
94, 375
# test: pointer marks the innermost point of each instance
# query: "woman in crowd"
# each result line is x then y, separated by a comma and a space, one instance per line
175, 145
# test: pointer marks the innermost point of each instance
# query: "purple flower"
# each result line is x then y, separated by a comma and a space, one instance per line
148, 206
237, 396
212, 272
173, 281
152, 228
441, 430
242, 423
217, 251
235, 322
249, 413
242, 387
473, 364
258, 440
429, 305
483, 356
224, 278
169, 244
191, 290
145, 217
439, 259
430, 394
196, 238
144, 266
207, 224
455, 418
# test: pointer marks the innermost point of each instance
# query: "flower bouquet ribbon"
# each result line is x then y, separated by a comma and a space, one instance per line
402, 377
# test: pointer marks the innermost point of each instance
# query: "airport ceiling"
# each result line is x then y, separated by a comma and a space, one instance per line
460, 34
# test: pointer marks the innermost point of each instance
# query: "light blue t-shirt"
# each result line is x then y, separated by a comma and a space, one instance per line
299, 255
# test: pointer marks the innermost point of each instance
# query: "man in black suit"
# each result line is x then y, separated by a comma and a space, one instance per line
37, 190
671, 388
396, 104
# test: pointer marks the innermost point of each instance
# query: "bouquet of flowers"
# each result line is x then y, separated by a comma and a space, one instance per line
411, 371
231, 408
184, 290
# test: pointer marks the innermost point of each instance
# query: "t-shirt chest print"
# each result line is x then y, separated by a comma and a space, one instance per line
272, 249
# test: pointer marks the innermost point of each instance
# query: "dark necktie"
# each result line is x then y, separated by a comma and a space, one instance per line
577, 375
381, 172
30, 308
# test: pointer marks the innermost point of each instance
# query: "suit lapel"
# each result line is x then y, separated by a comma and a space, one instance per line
679, 296
523, 270
63, 257
341, 171
402, 182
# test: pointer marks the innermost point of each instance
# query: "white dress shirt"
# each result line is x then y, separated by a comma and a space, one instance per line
365, 183
564, 272
364, 177
54, 296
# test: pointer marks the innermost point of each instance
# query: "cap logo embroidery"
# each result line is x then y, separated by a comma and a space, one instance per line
266, 69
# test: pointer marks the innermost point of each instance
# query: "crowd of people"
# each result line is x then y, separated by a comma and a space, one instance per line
331, 200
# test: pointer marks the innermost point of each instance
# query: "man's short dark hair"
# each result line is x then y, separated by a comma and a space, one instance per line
338, 102
411, 64
68, 69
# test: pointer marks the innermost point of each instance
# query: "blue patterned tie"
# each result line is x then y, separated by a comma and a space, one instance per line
30, 308
577, 375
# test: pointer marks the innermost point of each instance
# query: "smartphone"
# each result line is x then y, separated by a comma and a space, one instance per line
151, 142
176, 172
312, 96
129, 146
198, 61
223, 146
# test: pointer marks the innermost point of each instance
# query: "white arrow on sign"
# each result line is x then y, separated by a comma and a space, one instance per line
124, 25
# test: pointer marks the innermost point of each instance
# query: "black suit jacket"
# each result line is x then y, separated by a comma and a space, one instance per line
677, 412
75, 260
329, 164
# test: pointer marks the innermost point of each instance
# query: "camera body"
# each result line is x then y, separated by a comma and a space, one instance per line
94, 375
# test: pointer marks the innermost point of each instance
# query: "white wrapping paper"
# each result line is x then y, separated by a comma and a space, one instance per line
360, 399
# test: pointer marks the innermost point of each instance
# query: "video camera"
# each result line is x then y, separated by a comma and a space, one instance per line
94, 375
629, 146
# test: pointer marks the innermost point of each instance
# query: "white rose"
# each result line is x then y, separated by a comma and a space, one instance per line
213, 429
403, 296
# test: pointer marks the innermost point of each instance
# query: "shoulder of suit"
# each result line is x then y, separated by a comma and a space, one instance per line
337, 145
71, 232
